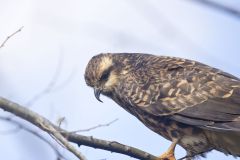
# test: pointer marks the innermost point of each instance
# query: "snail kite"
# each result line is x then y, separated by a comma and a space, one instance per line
187, 102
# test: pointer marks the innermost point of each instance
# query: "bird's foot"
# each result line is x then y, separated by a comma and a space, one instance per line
169, 155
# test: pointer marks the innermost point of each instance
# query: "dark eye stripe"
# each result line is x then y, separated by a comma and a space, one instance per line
105, 74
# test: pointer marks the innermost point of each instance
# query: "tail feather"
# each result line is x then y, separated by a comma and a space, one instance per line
226, 142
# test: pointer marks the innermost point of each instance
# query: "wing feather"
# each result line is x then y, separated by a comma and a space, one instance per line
188, 92
215, 114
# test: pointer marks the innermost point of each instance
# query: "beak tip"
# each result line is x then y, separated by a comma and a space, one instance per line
97, 93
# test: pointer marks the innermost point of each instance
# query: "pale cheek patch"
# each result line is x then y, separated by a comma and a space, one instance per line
112, 80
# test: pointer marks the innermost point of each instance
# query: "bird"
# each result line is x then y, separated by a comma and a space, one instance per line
187, 102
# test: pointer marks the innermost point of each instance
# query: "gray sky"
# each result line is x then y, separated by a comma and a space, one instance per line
72, 32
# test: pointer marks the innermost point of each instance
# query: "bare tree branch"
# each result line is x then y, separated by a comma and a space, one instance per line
220, 7
64, 136
35, 133
10, 36
95, 127
112, 146
40, 122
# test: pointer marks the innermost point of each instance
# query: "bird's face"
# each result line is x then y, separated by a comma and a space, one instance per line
102, 73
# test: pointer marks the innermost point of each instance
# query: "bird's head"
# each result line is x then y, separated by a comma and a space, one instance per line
103, 73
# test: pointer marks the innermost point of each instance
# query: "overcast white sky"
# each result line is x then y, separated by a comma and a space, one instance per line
72, 32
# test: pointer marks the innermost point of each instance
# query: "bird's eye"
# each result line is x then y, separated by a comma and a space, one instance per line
105, 75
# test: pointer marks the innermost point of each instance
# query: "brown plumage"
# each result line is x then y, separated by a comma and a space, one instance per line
187, 102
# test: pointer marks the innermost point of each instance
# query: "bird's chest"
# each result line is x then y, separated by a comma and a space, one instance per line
161, 126
191, 138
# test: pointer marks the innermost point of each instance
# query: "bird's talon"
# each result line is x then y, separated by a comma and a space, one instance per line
167, 156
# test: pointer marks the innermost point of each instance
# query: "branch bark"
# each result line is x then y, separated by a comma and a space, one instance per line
40, 122
64, 137
20, 126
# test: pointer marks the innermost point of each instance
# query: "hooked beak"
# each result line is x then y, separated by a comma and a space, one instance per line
97, 93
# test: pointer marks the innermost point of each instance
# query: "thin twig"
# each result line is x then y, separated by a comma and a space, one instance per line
35, 133
60, 121
58, 133
95, 127
10, 36
220, 7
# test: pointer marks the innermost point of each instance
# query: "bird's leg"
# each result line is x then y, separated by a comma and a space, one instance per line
169, 154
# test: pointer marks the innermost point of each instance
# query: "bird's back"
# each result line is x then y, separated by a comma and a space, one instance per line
179, 97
